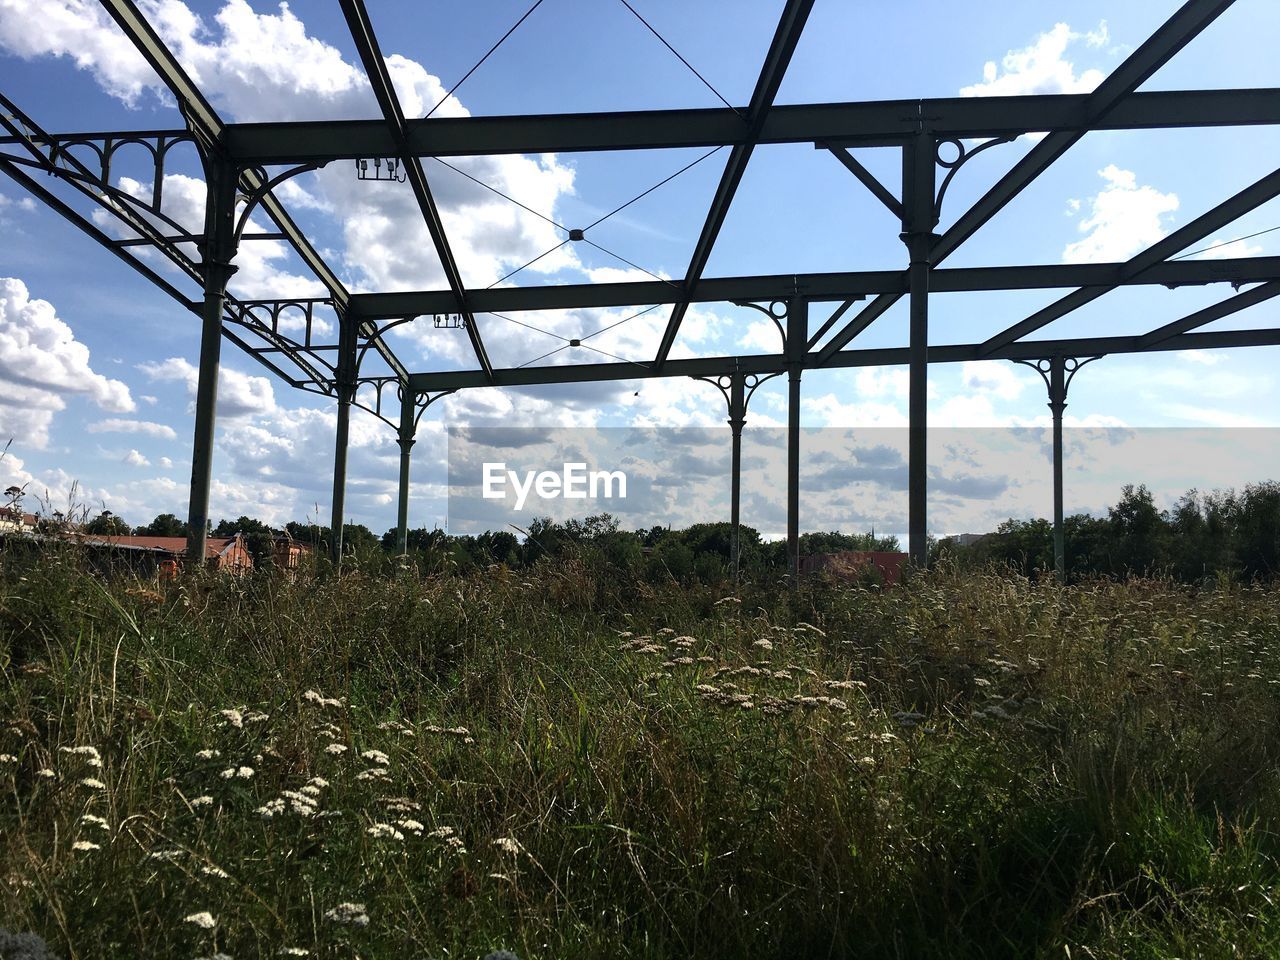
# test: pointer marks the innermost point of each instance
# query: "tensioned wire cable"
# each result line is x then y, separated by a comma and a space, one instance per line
1225, 243
581, 340
480, 62
663, 40
560, 226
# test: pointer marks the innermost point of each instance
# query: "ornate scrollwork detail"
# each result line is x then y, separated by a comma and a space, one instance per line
963, 155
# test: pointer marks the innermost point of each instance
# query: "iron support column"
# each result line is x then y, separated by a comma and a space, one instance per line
796, 341
1058, 404
737, 420
218, 250
346, 385
408, 425
919, 218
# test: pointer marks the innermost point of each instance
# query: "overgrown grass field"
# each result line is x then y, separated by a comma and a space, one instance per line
971, 765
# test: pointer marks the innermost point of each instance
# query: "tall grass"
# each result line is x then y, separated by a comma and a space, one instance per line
556, 764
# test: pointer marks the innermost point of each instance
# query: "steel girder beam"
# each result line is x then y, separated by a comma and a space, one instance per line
846, 359
1244, 201
1174, 34
380, 79
785, 38
864, 124
812, 286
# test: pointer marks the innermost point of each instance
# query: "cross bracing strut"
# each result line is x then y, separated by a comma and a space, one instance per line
1247, 199
1174, 34
380, 79
776, 61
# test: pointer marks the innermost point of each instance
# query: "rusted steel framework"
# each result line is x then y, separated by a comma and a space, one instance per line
320, 343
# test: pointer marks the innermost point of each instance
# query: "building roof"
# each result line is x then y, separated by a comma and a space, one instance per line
214, 546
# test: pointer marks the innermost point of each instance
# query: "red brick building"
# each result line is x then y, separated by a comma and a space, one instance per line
225, 554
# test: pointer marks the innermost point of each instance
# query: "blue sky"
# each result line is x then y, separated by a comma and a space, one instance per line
96, 365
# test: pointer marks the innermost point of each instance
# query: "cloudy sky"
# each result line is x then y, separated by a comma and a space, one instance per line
97, 367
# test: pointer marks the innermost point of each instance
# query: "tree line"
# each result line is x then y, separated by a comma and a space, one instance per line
1203, 536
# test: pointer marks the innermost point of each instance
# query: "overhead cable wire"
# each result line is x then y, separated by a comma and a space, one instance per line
640, 196
1225, 243
705, 82
614, 356
544, 356
622, 321
491, 189
528, 326
544, 253
479, 62
623, 259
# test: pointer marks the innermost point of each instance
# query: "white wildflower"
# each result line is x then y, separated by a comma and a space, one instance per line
318, 782
352, 913
93, 784
310, 790
244, 773
271, 808
508, 845
413, 826
93, 821
84, 846
234, 717
337, 749
763, 644
165, 856
44, 773
216, 872
208, 754
84, 751
383, 831
8, 758
204, 920
440, 833
321, 701
376, 756
202, 801
293, 952
373, 773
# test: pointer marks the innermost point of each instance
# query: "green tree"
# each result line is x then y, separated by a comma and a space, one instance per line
164, 525
107, 524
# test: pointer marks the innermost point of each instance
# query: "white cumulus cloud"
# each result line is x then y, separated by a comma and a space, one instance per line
1041, 67
41, 363
239, 394
1124, 218
123, 425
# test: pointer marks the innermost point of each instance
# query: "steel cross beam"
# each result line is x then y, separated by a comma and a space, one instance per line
874, 123
776, 61
1176, 32
846, 359
380, 79
814, 287
1244, 201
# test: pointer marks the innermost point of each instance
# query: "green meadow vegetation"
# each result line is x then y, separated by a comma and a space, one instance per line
564, 763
